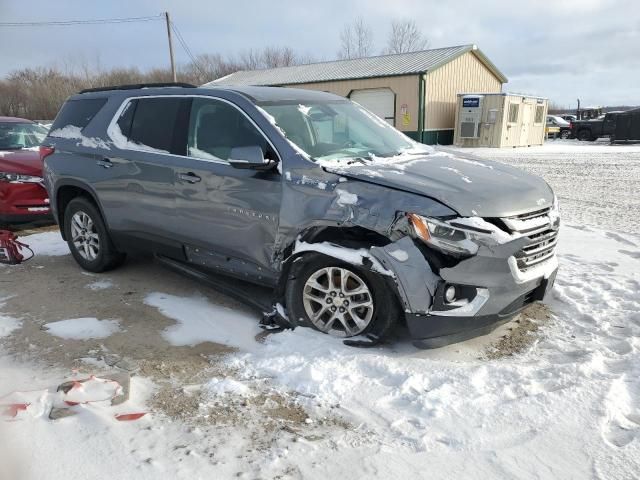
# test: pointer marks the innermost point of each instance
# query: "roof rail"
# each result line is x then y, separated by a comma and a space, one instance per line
136, 86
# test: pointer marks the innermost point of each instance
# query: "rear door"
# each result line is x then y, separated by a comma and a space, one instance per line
226, 217
150, 134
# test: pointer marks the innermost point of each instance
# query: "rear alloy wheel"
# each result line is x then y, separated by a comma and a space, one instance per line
340, 299
88, 238
565, 134
85, 236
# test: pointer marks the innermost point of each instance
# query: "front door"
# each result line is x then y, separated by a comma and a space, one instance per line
226, 217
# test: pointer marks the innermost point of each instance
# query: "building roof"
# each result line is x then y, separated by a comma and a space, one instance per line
367, 67
503, 94
261, 94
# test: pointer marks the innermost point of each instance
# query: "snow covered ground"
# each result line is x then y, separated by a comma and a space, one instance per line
568, 407
597, 183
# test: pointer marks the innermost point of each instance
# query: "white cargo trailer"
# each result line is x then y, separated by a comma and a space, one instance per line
499, 120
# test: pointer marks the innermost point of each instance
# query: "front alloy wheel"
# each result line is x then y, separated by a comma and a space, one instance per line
338, 301
339, 298
84, 236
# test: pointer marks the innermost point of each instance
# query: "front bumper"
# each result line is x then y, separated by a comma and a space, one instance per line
23, 202
434, 331
501, 290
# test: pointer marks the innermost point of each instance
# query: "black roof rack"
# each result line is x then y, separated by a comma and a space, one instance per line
136, 86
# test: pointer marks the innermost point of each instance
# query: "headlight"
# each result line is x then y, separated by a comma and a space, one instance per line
446, 237
18, 178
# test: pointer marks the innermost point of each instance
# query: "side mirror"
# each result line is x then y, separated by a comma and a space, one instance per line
249, 158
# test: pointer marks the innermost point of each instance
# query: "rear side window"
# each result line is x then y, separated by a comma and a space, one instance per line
159, 123
78, 113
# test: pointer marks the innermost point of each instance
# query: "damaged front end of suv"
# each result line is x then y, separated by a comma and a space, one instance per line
463, 244
454, 277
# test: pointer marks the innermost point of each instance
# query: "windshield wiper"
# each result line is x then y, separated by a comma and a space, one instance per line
358, 159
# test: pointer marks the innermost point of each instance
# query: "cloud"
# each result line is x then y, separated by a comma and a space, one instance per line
562, 49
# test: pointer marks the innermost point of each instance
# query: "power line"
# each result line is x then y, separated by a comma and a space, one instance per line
62, 23
186, 48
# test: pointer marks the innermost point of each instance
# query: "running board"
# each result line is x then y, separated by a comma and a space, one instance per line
254, 296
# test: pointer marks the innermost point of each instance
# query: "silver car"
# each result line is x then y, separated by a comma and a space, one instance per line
349, 226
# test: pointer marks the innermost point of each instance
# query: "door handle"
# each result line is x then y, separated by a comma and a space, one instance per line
105, 163
189, 177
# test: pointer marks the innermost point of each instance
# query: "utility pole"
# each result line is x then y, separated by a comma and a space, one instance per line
578, 111
173, 62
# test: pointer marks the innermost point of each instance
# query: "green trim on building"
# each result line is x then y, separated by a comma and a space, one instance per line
413, 134
438, 137
421, 95
432, 137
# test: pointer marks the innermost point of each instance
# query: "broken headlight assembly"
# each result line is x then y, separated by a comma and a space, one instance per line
446, 236
18, 178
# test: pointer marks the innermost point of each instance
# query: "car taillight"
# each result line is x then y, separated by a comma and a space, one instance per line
45, 151
571, 125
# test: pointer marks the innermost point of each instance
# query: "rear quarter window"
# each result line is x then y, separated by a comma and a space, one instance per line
158, 123
78, 113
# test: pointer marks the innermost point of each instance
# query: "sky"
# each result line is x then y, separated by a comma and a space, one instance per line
560, 49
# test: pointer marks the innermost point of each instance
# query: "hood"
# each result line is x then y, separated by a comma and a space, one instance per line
25, 162
468, 185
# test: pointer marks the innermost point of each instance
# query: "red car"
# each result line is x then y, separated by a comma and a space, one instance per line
22, 194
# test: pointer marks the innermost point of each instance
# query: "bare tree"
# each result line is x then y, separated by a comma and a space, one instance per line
208, 67
273, 57
356, 40
38, 93
269, 57
405, 36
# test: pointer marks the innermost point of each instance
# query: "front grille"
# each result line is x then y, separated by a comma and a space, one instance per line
542, 235
541, 248
538, 213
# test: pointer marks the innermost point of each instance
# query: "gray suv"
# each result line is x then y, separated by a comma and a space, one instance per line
351, 226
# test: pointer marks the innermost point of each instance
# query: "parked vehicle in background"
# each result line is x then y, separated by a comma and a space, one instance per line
591, 130
627, 126
569, 118
589, 113
23, 197
564, 127
351, 225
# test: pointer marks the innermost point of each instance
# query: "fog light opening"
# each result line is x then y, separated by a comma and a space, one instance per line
450, 294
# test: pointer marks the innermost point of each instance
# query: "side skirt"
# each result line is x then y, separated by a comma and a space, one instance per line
252, 295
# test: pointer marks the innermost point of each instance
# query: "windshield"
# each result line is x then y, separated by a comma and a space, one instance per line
14, 136
340, 129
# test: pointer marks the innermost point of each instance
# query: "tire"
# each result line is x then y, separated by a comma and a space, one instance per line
92, 249
565, 134
585, 136
302, 298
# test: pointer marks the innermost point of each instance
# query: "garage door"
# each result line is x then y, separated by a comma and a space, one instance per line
380, 101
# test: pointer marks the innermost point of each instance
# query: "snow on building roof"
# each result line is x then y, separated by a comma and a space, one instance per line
367, 67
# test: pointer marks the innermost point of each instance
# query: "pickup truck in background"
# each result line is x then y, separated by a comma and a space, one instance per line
591, 130
562, 127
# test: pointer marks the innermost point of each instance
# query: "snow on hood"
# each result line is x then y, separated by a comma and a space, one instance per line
470, 186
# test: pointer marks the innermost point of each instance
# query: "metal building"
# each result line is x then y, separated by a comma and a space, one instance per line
500, 120
416, 92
